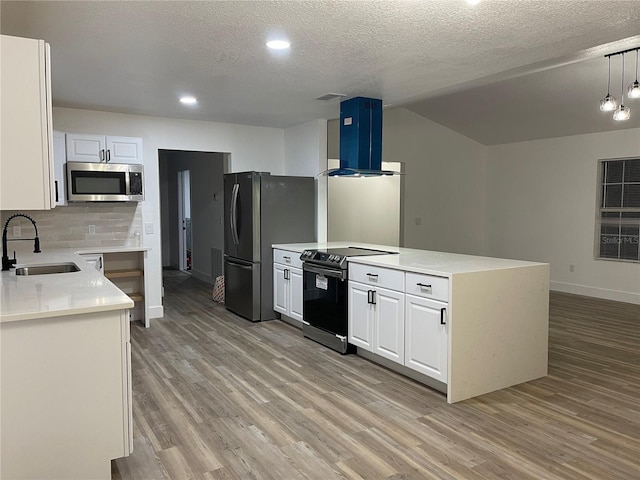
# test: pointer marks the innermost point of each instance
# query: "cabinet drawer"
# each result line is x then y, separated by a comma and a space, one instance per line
382, 277
428, 286
287, 258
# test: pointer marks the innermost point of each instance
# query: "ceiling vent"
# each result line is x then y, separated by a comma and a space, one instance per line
331, 96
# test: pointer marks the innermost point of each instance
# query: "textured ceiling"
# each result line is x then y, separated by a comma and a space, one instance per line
463, 66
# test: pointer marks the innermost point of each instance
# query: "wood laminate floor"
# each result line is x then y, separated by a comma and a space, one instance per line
218, 397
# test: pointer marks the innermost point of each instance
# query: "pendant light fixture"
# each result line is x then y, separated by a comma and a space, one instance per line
609, 102
634, 88
622, 113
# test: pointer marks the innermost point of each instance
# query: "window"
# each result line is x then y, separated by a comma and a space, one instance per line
618, 222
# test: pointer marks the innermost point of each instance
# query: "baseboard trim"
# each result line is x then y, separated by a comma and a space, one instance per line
156, 312
617, 295
203, 277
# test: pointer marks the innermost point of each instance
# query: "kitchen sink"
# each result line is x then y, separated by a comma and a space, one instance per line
47, 269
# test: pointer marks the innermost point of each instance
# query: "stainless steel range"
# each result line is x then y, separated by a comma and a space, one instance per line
325, 307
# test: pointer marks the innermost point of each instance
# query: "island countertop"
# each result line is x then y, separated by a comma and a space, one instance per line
417, 261
53, 295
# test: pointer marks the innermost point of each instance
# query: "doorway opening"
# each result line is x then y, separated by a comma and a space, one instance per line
192, 211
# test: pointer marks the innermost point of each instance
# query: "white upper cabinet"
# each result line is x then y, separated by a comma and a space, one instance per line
26, 150
105, 149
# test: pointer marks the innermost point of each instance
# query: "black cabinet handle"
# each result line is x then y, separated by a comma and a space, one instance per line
56, 182
368, 296
108, 156
286, 274
372, 275
423, 285
442, 310
101, 154
373, 297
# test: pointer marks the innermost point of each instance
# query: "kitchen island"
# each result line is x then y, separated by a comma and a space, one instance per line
65, 371
463, 324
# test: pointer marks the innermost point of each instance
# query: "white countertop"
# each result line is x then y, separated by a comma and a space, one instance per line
42, 296
418, 261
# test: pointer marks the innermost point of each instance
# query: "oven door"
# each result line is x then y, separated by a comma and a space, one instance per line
325, 298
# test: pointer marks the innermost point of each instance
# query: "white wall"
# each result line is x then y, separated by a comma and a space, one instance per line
444, 183
251, 148
541, 205
306, 156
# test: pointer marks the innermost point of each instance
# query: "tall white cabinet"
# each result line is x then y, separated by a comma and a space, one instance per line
26, 150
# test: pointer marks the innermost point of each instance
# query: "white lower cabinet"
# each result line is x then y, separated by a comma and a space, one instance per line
296, 293
287, 284
426, 338
400, 319
376, 320
66, 395
360, 316
388, 324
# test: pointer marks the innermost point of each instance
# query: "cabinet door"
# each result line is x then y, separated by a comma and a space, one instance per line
360, 316
26, 150
388, 324
426, 339
59, 163
86, 148
296, 292
280, 289
124, 150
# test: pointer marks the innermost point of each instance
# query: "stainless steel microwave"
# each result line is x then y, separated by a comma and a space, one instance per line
104, 182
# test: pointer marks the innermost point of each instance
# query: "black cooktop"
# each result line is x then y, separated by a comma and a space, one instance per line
353, 251
337, 257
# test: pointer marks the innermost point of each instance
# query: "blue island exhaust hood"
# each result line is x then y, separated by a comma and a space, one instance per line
360, 138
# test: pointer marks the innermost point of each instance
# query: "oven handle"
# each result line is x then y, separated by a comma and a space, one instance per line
327, 272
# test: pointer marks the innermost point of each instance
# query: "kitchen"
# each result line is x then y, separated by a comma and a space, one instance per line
455, 165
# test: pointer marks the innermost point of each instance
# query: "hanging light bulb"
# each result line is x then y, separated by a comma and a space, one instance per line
622, 113
608, 103
634, 88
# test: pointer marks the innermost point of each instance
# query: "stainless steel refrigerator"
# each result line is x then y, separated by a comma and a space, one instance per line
261, 209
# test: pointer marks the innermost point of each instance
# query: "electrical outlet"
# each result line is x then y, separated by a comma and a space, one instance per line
92, 229
572, 268
17, 231
418, 221
148, 228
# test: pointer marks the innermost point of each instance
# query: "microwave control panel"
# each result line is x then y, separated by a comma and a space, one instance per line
135, 183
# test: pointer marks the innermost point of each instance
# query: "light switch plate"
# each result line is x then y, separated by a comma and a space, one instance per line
148, 228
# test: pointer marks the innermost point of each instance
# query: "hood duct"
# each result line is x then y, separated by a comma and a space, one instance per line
360, 138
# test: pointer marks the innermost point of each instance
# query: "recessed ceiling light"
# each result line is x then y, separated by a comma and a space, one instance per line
188, 100
278, 44
473, 2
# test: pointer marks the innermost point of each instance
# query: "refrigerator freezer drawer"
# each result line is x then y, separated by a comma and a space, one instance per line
242, 288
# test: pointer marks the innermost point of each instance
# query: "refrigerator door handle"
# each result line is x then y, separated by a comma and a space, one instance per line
239, 265
233, 220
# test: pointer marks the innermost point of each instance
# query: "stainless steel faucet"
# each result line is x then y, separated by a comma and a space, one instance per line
8, 263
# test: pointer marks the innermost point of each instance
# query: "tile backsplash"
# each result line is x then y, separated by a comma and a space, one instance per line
73, 226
